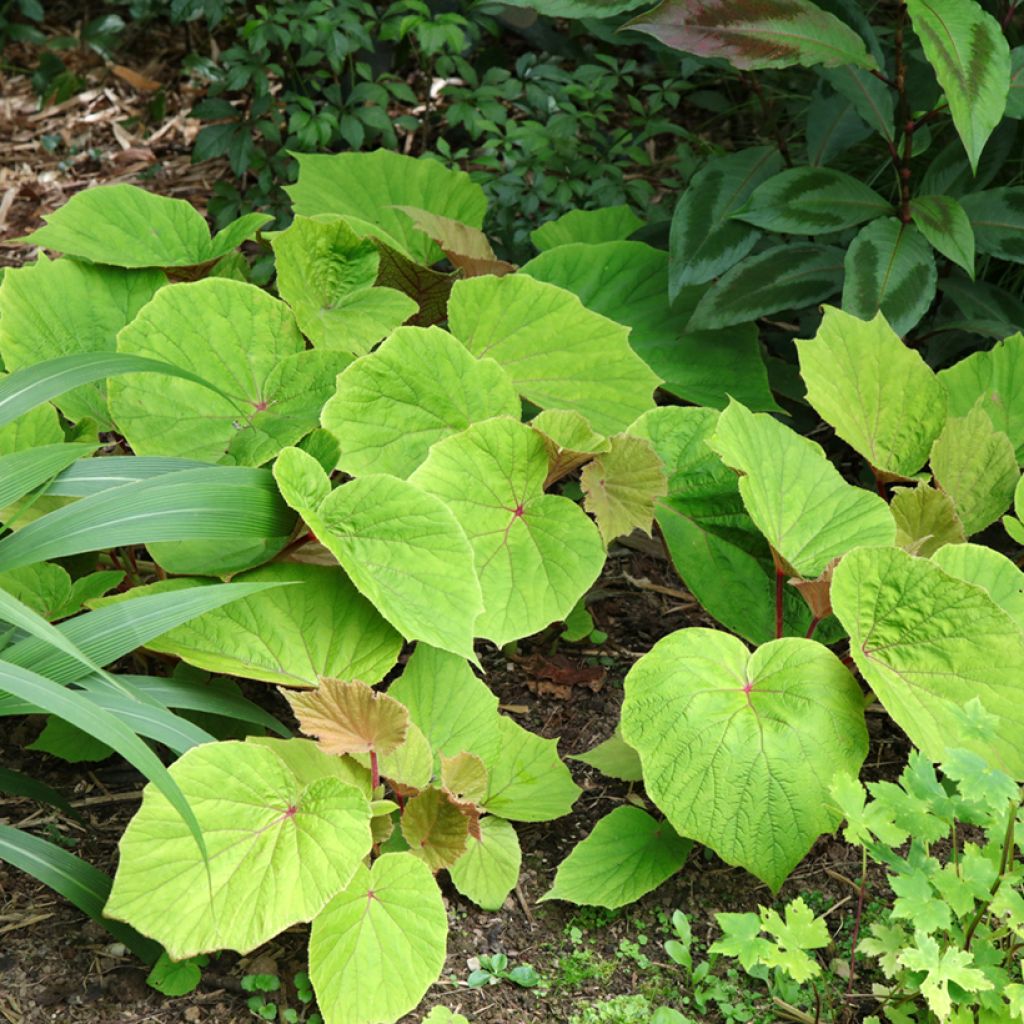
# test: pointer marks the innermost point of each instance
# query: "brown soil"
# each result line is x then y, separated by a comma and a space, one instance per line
57, 966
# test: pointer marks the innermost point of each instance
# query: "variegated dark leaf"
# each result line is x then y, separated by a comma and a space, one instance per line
943, 221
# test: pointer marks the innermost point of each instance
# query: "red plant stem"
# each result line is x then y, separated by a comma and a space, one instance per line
1011, 9
778, 603
903, 117
374, 770
812, 627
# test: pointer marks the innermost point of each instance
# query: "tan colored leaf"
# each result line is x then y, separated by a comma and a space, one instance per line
350, 717
621, 486
926, 519
817, 593
569, 439
464, 777
135, 79
435, 828
466, 247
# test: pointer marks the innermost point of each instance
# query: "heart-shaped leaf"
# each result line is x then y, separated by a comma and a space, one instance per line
489, 869
739, 749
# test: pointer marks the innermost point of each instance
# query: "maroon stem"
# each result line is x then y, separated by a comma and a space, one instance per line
857, 919
1011, 10
812, 627
374, 769
903, 117
778, 603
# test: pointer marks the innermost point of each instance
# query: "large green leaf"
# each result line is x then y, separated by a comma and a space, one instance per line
714, 545
628, 282
290, 635
489, 869
780, 278
975, 464
987, 569
402, 547
127, 226
279, 851
811, 201
366, 188
420, 386
994, 380
380, 944
75, 879
944, 222
704, 241
37, 427
56, 308
607, 224
753, 34
273, 389
218, 503
798, 499
927, 643
626, 856
889, 269
592, 368
998, 220
739, 749
536, 553
968, 50
880, 395
326, 273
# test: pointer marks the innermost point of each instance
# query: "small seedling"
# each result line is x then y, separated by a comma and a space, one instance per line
494, 968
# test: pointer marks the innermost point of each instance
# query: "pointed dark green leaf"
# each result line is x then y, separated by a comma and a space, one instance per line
944, 222
1015, 99
783, 277
998, 219
704, 241
967, 49
889, 268
872, 98
753, 34
812, 201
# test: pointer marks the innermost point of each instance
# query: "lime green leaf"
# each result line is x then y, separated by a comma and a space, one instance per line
175, 979
797, 498
453, 707
885, 942
987, 569
800, 931
627, 282
278, 852
217, 503
615, 758
608, 224
944, 222
292, 636
627, 855
527, 779
864, 820
536, 553
739, 749
811, 201
951, 965
366, 188
273, 389
995, 379
307, 762
464, 776
442, 1015
389, 915
326, 273
592, 370
435, 828
410, 764
975, 464
889, 269
75, 879
56, 308
998, 220
714, 545
403, 549
968, 50
704, 240
126, 226
925, 519
881, 396
621, 486
489, 869
35, 428
780, 278
569, 439
741, 938
421, 385
750, 35
43, 587
927, 643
